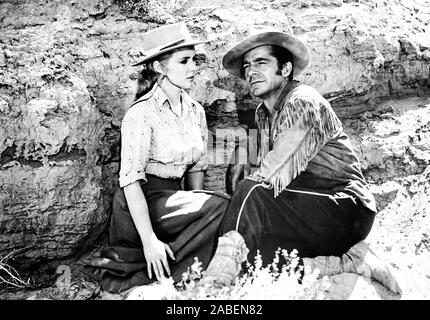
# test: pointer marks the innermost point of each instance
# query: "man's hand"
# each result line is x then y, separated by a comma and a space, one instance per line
235, 173
238, 169
156, 258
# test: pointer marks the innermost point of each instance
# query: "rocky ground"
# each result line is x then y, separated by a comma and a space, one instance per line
65, 82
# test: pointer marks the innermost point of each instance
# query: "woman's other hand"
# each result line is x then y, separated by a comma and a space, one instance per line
236, 173
238, 168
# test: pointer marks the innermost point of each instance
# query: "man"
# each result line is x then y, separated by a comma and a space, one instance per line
308, 193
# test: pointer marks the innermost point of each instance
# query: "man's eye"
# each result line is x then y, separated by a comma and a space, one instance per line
245, 66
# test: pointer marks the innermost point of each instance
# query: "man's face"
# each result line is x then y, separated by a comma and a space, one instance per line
261, 71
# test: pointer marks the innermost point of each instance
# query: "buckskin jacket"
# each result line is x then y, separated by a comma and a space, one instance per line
302, 145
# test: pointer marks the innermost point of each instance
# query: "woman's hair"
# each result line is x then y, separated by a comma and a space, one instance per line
148, 76
146, 79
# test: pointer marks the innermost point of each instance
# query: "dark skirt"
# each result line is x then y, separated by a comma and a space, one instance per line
188, 221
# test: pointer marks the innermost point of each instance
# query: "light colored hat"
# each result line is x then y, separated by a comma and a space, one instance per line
165, 39
232, 60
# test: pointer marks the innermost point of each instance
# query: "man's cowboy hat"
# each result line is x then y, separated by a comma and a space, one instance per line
165, 39
232, 60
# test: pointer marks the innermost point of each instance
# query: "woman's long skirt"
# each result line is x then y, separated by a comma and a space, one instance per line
188, 221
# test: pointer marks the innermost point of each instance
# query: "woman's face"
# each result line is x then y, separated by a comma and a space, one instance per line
180, 68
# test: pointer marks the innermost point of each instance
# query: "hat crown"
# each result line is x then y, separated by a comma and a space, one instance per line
164, 39
165, 36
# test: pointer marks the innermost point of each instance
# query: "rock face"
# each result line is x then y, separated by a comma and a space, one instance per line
393, 145
66, 80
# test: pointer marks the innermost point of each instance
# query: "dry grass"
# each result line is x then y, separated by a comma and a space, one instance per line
9, 276
259, 283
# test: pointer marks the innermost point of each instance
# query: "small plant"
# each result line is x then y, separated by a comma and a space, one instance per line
9, 275
276, 281
283, 279
191, 277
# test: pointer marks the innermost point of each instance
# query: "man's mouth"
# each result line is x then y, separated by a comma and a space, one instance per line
255, 82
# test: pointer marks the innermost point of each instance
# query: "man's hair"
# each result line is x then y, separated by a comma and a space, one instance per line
283, 56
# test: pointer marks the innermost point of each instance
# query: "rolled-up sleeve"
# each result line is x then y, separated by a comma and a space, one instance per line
203, 162
135, 146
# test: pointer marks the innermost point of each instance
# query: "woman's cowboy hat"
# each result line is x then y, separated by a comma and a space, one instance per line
165, 39
232, 60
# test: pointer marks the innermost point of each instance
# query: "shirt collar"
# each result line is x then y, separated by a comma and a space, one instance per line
160, 96
163, 100
261, 111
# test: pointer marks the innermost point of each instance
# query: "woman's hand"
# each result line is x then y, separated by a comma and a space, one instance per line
194, 180
156, 258
153, 249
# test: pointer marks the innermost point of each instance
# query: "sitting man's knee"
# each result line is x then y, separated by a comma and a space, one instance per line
246, 184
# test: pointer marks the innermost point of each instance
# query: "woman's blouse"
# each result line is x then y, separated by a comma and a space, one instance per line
161, 139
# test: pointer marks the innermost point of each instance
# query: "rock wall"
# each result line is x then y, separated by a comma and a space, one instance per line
66, 80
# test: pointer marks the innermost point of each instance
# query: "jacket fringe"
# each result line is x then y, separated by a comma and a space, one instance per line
319, 119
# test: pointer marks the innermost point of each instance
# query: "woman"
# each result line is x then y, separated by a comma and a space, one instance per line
156, 228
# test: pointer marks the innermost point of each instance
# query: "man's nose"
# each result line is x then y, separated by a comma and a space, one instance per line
250, 72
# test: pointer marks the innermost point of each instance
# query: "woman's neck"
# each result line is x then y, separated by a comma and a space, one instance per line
172, 92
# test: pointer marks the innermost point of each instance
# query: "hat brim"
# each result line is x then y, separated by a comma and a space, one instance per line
152, 55
232, 60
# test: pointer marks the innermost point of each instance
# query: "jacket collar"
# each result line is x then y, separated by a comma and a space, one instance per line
283, 90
